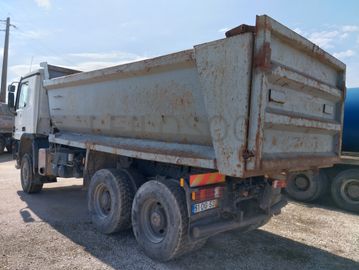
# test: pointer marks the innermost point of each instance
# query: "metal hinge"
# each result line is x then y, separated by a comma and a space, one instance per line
247, 154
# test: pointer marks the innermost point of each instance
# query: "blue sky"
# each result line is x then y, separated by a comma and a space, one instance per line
92, 34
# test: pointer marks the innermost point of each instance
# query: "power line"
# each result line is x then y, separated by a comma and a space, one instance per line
45, 48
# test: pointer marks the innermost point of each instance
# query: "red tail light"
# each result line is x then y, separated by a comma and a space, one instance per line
206, 194
279, 183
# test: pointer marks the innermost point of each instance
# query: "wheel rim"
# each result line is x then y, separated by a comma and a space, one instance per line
301, 182
154, 221
350, 191
103, 202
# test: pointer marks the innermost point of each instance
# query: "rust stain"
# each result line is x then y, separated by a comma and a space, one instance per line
274, 141
262, 59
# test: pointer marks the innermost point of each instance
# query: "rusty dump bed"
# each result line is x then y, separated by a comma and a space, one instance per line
263, 100
6, 119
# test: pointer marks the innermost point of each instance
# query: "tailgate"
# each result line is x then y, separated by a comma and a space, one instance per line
296, 108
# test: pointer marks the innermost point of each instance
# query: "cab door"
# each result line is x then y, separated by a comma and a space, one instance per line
25, 120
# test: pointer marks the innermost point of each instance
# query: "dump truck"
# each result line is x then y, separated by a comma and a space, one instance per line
6, 126
187, 145
341, 181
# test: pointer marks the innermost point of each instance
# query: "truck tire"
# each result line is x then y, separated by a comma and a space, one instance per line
30, 182
110, 197
2, 144
160, 220
306, 186
345, 190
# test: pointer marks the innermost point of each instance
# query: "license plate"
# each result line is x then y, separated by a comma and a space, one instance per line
203, 206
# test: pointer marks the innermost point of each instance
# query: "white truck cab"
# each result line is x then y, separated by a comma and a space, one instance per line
32, 106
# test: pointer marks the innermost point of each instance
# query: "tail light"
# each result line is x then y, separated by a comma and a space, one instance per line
279, 183
206, 194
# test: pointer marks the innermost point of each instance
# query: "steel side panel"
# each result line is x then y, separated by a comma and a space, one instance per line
196, 98
162, 103
224, 69
297, 102
190, 155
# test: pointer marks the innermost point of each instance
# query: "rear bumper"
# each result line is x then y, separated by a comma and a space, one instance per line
206, 230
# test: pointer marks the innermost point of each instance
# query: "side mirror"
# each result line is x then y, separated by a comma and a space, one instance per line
11, 100
11, 88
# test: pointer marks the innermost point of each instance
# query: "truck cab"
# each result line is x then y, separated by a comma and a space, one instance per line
31, 107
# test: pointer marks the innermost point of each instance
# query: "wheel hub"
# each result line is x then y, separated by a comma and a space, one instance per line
352, 189
154, 221
157, 220
105, 200
302, 182
102, 200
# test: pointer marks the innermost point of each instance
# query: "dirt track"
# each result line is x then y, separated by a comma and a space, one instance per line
52, 230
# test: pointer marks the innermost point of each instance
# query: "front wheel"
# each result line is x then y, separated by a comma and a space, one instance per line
345, 190
30, 182
160, 220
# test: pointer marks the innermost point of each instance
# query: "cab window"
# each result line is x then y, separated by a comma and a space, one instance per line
24, 95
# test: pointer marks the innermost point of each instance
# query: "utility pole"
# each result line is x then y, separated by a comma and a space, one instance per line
4, 62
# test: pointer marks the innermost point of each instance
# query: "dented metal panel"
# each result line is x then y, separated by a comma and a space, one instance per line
224, 69
297, 102
263, 100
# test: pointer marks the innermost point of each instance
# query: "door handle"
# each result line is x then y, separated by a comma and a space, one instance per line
23, 128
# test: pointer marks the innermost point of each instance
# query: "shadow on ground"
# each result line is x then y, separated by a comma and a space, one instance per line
5, 157
65, 210
325, 202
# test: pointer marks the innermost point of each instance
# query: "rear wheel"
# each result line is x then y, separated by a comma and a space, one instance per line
345, 190
30, 182
110, 197
306, 186
160, 220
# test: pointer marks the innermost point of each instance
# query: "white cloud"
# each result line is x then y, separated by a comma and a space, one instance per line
92, 65
106, 55
225, 29
33, 34
86, 61
352, 75
344, 54
16, 71
299, 31
350, 28
43, 3
327, 38
344, 35
324, 38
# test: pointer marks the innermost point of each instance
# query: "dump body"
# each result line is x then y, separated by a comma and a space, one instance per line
6, 119
264, 100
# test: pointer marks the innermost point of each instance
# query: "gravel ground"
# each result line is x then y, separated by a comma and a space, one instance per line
52, 230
